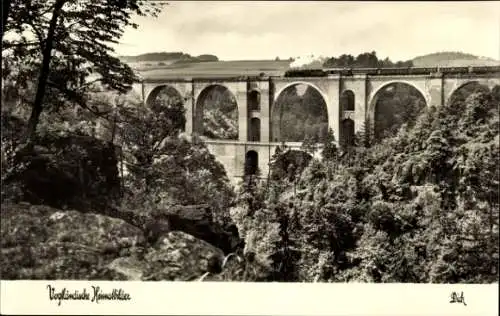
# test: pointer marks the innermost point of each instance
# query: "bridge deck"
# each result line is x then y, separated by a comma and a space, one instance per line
325, 72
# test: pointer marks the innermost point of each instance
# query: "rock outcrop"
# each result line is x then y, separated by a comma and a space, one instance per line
195, 220
181, 257
40, 242
176, 256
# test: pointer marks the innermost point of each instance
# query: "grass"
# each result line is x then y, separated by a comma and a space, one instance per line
211, 69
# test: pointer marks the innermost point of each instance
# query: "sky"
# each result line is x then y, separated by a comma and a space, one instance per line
248, 30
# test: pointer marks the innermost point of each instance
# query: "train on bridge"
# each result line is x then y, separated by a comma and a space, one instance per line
324, 72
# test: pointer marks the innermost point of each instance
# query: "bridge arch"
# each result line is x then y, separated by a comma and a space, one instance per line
299, 82
275, 117
377, 93
216, 113
476, 84
168, 89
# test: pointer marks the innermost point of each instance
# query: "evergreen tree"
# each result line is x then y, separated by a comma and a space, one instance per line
330, 151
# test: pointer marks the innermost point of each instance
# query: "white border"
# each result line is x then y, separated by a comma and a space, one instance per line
213, 298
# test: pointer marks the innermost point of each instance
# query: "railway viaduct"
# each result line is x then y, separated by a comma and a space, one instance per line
349, 94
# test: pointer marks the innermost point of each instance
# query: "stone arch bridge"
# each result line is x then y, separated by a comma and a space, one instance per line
255, 97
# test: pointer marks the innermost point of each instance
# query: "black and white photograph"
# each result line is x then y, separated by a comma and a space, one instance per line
250, 141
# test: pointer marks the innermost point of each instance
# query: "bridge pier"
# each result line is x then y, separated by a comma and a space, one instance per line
265, 111
241, 100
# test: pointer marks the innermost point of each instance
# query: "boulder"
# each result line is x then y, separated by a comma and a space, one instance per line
39, 242
240, 268
178, 256
195, 220
131, 267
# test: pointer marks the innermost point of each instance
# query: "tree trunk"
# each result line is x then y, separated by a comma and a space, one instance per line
37, 107
6, 4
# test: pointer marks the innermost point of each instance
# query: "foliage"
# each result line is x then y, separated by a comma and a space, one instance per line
330, 151
163, 166
75, 114
258, 224
396, 104
288, 163
74, 171
419, 206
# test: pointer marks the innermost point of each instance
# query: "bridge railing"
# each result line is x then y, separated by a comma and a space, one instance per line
390, 71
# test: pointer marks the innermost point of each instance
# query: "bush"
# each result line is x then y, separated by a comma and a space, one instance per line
78, 172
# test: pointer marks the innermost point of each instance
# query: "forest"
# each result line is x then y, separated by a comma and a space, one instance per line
97, 186
419, 206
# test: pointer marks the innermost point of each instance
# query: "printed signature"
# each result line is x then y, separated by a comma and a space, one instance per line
457, 299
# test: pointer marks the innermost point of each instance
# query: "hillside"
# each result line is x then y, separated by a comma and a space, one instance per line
167, 56
453, 59
216, 68
162, 59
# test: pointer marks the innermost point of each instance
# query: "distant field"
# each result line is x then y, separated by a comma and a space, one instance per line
208, 69
458, 63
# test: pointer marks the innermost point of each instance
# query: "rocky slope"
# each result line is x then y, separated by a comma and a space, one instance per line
41, 242
63, 218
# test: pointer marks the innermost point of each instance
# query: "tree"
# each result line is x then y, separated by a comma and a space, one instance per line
308, 145
148, 129
68, 42
364, 60
165, 167
329, 148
